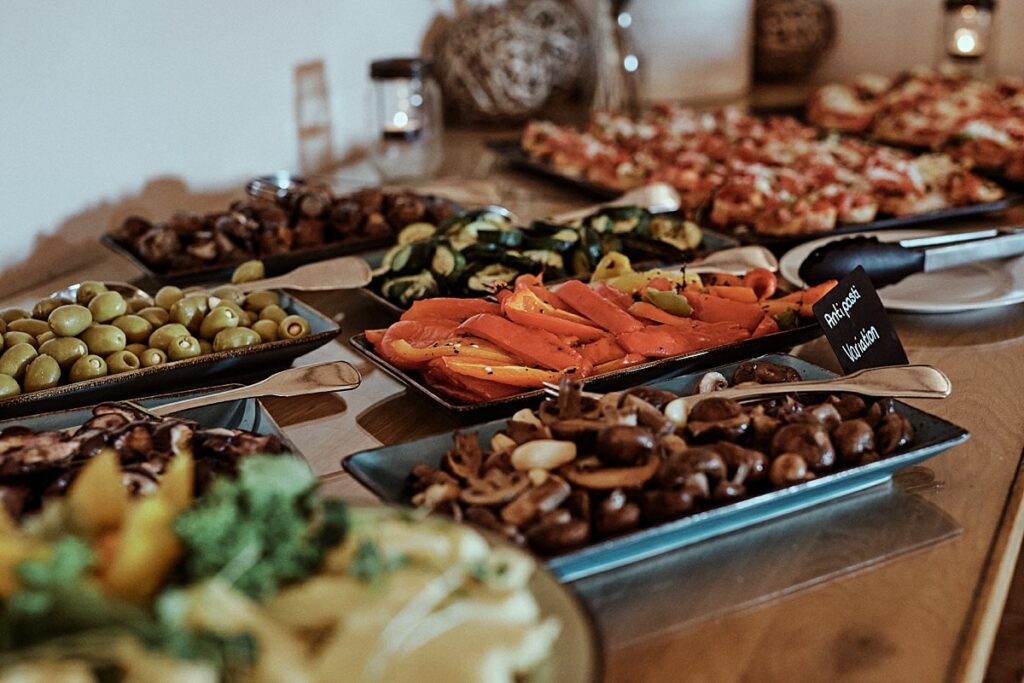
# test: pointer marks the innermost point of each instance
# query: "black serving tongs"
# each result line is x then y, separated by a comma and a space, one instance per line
887, 263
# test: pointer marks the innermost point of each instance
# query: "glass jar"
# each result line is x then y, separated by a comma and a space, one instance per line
406, 114
967, 35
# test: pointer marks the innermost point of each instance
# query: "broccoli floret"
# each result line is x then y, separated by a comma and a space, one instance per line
267, 527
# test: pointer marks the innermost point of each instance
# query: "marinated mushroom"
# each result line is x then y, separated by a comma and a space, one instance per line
808, 440
622, 445
558, 532
892, 433
495, 488
656, 397
788, 469
536, 501
712, 382
764, 372
616, 515
604, 478
715, 417
852, 440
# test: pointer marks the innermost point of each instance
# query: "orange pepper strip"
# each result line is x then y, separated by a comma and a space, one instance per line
662, 341
512, 375
594, 306
648, 311
449, 309
661, 283
714, 309
602, 351
462, 348
777, 306
535, 283
375, 336
463, 387
417, 333
762, 281
742, 294
766, 326
810, 296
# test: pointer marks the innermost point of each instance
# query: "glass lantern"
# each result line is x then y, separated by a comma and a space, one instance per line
405, 109
967, 35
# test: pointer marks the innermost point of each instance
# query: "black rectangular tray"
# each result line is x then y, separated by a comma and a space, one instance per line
274, 265
711, 241
512, 153
651, 371
384, 472
232, 365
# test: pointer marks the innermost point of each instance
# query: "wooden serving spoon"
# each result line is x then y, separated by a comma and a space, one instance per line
656, 198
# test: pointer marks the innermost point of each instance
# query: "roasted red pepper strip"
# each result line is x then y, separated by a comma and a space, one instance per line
528, 300
662, 341
662, 283
616, 296
603, 350
418, 333
618, 363
537, 347
811, 296
462, 348
766, 326
375, 336
463, 387
715, 309
762, 281
512, 375
739, 293
595, 307
647, 311
535, 284
449, 309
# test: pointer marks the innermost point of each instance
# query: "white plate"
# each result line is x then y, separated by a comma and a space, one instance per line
972, 287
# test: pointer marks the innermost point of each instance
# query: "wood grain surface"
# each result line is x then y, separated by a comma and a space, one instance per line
926, 615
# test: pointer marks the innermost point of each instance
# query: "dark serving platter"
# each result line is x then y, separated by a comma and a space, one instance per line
274, 265
711, 241
651, 371
511, 152
247, 414
384, 472
229, 365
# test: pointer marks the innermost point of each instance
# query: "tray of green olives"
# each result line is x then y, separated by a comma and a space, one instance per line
106, 341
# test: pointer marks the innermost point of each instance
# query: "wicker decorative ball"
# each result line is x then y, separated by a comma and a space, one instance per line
791, 37
503, 63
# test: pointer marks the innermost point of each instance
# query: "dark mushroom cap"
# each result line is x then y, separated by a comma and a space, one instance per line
623, 445
850, 406
677, 468
720, 418
852, 439
656, 397
764, 372
892, 433
662, 504
808, 440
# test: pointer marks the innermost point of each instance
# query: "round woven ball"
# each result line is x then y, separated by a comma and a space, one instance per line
791, 37
501, 63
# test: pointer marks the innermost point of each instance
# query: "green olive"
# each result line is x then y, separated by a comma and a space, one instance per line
122, 361
224, 303
273, 312
166, 296
87, 367
13, 338
293, 327
137, 349
106, 306
28, 325
104, 340
9, 386
155, 315
65, 350
88, 290
43, 309
248, 271
189, 311
11, 314
70, 320
42, 373
184, 347
151, 357
205, 347
257, 301
136, 328
45, 337
235, 338
195, 289
229, 293
267, 329
165, 334
16, 359
220, 318
246, 319
139, 301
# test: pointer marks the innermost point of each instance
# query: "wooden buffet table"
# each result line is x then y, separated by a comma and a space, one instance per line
903, 583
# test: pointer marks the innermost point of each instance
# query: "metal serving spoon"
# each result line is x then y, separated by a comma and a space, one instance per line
656, 198
896, 381
309, 379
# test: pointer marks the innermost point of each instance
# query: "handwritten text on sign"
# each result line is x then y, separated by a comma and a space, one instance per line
857, 326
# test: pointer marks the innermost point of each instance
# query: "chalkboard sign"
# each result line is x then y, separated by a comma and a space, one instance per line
857, 326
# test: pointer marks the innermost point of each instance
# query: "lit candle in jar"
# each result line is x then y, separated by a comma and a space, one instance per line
402, 127
968, 27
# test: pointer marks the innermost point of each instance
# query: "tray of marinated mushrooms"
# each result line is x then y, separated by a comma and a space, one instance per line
596, 481
300, 223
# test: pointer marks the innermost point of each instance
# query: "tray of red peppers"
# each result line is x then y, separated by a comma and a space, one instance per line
620, 328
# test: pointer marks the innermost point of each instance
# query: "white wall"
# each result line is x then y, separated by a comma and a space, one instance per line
130, 105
